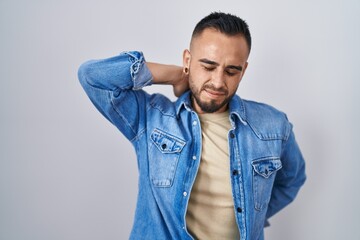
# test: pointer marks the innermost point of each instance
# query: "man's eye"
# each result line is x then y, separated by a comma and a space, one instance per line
230, 73
208, 68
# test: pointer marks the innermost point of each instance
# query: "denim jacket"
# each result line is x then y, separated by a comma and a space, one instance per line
266, 165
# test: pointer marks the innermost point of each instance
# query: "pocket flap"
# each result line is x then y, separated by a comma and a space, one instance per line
166, 143
266, 166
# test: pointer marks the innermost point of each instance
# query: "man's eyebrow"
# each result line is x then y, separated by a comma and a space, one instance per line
207, 61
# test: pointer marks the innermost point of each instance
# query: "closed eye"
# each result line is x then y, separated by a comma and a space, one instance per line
208, 68
230, 73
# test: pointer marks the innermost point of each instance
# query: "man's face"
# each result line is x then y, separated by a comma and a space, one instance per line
216, 63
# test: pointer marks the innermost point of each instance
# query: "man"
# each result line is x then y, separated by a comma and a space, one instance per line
211, 165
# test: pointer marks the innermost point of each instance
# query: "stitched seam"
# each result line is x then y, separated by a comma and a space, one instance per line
120, 115
160, 110
137, 136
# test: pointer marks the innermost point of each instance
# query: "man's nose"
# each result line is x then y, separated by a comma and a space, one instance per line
218, 79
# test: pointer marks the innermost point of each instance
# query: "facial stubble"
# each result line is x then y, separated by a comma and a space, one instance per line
211, 106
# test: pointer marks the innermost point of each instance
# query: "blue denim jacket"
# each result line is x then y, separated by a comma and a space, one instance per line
266, 166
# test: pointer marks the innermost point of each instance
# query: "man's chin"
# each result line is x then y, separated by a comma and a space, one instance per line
210, 106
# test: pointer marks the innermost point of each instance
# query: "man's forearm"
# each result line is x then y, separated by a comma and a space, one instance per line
169, 74
165, 74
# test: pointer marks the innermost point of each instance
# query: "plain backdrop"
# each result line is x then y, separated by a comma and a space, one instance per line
68, 174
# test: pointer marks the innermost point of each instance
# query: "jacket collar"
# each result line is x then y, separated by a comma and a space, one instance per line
236, 106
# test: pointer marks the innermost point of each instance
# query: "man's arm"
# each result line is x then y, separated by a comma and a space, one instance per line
114, 86
169, 74
289, 178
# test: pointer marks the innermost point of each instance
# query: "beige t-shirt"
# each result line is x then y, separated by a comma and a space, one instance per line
210, 213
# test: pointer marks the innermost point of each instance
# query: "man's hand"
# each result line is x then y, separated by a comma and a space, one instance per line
171, 75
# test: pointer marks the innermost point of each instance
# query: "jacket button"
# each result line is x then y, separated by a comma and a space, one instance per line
163, 146
232, 135
235, 172
239, 210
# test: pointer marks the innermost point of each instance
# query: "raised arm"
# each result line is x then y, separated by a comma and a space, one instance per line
115, 84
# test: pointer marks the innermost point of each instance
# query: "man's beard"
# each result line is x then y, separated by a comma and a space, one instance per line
211, 106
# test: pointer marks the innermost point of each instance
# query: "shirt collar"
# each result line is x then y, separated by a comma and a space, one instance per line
183, 102
236, 106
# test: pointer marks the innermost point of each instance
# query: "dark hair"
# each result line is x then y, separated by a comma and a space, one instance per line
225, 23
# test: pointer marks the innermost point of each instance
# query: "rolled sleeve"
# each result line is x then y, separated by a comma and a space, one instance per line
140, 73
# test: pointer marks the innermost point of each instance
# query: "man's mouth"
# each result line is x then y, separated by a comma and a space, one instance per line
214, 94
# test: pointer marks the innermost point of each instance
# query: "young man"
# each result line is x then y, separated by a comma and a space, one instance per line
211, 165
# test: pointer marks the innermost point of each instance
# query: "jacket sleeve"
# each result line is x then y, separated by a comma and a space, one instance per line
289, 178
114, 87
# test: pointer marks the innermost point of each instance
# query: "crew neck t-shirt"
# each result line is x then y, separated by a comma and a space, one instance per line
210, 213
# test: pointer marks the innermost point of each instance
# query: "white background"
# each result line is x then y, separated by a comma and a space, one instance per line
66, 173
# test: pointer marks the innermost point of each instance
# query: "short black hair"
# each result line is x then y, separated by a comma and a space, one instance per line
226, 23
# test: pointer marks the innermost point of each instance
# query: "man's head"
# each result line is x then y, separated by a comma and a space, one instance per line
217, 60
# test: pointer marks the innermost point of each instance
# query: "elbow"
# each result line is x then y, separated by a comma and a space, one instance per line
84, 73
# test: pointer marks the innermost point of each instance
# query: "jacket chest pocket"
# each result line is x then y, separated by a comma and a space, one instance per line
164, 154
264, 171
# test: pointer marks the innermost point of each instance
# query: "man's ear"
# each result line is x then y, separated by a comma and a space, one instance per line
186, 58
